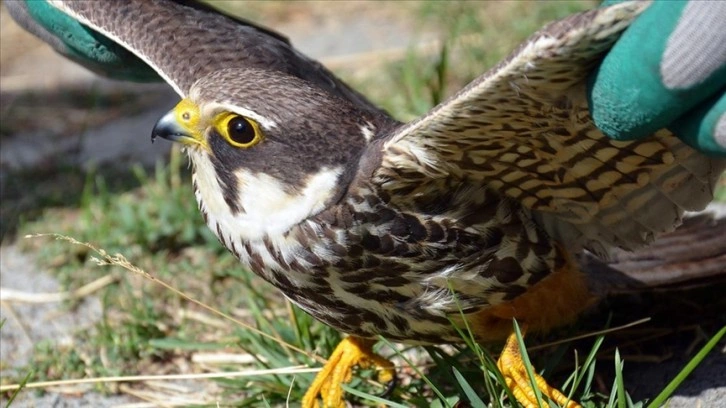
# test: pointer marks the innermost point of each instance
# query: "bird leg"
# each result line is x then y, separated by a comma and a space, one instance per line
512, 367
351, 351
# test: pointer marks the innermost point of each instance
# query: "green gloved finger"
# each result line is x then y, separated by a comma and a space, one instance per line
704, 128
670, 60
78, 42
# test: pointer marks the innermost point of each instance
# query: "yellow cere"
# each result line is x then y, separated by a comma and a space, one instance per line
187, 115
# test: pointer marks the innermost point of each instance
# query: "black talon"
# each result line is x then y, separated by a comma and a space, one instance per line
390, 386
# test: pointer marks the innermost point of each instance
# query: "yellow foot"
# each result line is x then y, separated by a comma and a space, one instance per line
338, 370
515, 374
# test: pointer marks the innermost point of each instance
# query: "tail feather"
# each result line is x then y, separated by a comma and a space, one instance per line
695, 253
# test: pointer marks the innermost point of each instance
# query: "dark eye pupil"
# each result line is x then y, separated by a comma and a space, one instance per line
240, 130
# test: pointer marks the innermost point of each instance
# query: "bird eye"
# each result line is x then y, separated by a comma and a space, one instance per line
240, 131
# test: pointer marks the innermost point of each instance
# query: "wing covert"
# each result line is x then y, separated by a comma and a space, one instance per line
184, 40
523, 129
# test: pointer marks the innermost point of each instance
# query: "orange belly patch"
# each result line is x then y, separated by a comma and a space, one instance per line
554, 301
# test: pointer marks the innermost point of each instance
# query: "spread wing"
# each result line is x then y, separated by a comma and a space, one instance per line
523, 130
183, 40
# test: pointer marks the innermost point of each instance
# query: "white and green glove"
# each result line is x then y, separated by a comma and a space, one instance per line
83, 45
667, 70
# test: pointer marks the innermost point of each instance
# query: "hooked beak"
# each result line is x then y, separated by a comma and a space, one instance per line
179, 124
169, 128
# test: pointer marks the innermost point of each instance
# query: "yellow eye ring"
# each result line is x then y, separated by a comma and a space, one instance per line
238, 130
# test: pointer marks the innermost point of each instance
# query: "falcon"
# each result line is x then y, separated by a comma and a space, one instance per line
475, 214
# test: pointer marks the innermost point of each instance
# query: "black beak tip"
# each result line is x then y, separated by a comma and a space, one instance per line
167, 128
156, 132
161, 131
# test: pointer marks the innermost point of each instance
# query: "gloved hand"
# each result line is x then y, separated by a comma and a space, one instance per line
78, 42
667, 70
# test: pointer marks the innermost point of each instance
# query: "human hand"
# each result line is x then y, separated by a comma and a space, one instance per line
79, 43
667, 70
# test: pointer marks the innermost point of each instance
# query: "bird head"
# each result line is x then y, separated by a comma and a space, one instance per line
268, 150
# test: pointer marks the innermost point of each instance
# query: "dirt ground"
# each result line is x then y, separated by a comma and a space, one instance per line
64, 132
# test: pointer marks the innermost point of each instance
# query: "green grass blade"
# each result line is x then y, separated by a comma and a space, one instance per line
613, 396
619, 383
17, 392
179, 344
474, 399
590, 376
527, 363
695, 361
417, 371
371, 397
492, 372
585, 370
488, 364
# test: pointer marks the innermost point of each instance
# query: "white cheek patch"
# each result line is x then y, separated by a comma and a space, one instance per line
268, 208
209, 192
272, 210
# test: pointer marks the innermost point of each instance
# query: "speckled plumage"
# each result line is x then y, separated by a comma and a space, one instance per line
369, 224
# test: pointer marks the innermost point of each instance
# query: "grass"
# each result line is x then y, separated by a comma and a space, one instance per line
150, 329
